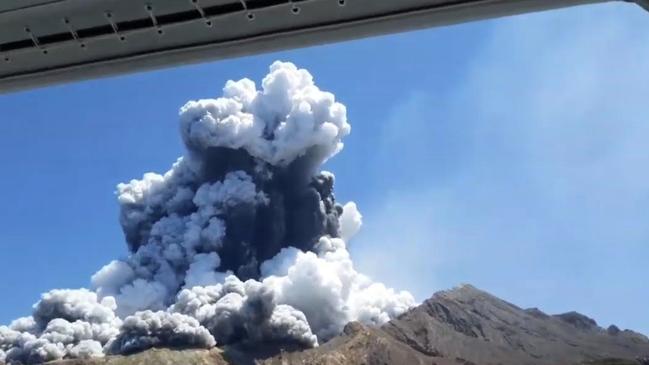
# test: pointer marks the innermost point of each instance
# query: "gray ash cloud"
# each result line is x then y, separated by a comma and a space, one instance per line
240, 241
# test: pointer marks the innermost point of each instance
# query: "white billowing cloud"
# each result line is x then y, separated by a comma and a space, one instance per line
139, 295
114, 275
82, 305
289, 323
281, 263
61, 320
86, 349
330, 292
202, 271
303, 292
290, 107
24, 324
62, 331
350, 221
10, 339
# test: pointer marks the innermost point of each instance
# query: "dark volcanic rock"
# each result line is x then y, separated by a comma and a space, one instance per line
578, 320
613, 330
535, 312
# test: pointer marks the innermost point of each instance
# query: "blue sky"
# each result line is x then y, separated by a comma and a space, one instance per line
510, 154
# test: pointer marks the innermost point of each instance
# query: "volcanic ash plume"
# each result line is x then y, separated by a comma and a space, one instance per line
241, 241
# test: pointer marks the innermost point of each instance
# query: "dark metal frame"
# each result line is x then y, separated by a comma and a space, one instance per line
252, 26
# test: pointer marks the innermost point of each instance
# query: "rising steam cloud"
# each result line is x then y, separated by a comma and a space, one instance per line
241, 241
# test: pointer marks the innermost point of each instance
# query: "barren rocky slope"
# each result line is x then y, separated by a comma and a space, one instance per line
156, 357
468, 326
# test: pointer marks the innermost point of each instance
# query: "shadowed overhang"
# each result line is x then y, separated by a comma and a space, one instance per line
45, 42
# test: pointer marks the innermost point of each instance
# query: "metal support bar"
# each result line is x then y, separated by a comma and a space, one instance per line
73, 32
200, 10
34, 39
154, 20
109, 17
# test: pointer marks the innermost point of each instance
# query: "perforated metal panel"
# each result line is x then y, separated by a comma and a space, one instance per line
51, 41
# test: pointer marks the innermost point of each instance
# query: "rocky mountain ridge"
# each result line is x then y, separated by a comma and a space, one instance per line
460, 326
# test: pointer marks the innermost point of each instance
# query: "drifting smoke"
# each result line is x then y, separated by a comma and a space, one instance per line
241, 241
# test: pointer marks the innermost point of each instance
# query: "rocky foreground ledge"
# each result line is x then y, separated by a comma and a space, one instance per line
464, 326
